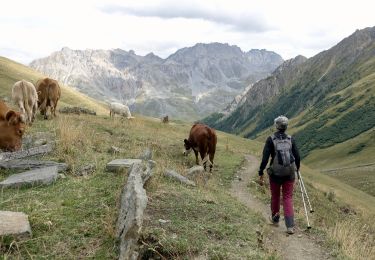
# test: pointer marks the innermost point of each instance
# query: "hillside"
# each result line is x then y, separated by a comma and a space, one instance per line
189, 84
76, 216
324, 95
11, 72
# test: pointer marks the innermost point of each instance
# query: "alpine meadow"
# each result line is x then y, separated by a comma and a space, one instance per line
97, 182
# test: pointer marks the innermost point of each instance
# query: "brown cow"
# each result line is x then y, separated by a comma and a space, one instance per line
12, 128
49, 94
165, 119
25, 97
202, 139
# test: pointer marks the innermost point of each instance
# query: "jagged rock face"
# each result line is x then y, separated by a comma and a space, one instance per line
265, 89
189, 84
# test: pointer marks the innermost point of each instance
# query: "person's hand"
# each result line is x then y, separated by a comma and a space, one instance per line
261, 180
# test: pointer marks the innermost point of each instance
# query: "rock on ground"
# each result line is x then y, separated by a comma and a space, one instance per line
31, 165
132, 206
43, 176
14, 223
197, 169
174, 175
119, 164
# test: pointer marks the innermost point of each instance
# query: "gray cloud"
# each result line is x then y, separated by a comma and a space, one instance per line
244, 22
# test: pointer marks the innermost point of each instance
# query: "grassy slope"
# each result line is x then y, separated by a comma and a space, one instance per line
76, 216
11, 72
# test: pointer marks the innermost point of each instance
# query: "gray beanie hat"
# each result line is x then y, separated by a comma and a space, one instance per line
281, 123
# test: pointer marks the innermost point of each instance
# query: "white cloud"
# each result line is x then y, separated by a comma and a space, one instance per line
33, 29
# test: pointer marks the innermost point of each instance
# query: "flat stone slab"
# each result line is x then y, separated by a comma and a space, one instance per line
43, 176
118, 164
43, 149
22, 164
14, 223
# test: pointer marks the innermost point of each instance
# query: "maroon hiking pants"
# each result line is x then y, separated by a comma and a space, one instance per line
287, 189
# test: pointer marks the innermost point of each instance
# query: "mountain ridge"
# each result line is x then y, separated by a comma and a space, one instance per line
191, 82
322, 96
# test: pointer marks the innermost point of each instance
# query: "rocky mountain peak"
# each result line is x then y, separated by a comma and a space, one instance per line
188, 84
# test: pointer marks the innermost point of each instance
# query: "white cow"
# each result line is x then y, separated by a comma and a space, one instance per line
24, 95
117, 108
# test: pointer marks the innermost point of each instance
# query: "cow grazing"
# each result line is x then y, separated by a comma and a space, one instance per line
12, 128
117, 108
25, 97
202, 139
165, 119
49, 93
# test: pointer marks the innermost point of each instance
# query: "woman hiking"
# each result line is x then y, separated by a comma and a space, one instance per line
285, 161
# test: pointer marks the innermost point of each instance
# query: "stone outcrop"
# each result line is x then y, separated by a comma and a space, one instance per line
132, 205
77, 111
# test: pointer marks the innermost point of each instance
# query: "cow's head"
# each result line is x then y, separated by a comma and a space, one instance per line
187, 146
12, 129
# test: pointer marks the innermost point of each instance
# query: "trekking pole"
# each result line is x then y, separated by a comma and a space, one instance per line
304, 189
303, 199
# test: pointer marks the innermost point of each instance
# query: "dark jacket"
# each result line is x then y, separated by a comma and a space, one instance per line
269, 150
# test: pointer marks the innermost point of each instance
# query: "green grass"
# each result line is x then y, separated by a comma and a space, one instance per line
76, 216
347, 158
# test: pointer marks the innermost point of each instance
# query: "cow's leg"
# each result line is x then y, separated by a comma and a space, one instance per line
52, 107
196, 157
211, 160
35, 108
28, 112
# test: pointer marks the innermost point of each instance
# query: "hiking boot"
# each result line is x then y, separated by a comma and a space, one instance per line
290, 230
275, 220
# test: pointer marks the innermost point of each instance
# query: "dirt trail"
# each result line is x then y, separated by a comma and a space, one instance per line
297, 246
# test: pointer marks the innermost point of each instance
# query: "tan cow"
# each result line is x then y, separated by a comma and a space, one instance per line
49, 94
12, 128
25, 97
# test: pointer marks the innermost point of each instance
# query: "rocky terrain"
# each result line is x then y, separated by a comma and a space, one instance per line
189, 84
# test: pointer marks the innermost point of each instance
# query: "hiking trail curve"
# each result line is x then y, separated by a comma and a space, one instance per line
291, 247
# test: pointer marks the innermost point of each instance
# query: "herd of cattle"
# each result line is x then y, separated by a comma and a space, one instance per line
28, 98
46, 94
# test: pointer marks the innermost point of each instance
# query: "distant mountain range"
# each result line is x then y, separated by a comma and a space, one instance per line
191, 83
330, 97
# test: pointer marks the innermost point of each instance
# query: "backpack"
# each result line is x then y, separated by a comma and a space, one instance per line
283, 162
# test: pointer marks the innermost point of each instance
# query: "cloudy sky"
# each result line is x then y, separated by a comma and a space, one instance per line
34, 29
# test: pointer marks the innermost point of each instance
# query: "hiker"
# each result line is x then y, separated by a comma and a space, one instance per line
285, 161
